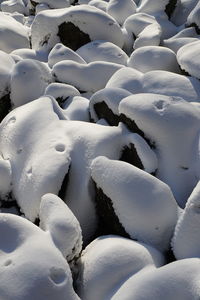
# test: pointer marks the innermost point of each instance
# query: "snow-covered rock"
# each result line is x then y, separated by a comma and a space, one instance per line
37, 76
108, 261
13, 35
168, 122
104, 104
61, 52
185, 242
30, 260
89, 77
144, 205
57, 219
74, 27
103, 51
150, 58
121, 10
188, 58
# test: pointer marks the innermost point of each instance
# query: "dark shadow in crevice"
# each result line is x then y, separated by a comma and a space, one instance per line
170, 7
129, 155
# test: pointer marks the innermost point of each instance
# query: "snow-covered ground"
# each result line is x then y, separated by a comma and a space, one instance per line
99, 149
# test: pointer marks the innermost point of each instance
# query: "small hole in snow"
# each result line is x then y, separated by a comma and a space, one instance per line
60, 147
159, 104
12, 120
29, 172
57, 275
19, 151
8, 262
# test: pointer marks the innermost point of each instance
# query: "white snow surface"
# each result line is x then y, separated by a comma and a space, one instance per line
144, 205
156, 82
102, 51
149, 58
30, 260
188, 58
13, 35
158, 116
89, 77
109, 261
91, 20
64, 228
185, 242
6, 67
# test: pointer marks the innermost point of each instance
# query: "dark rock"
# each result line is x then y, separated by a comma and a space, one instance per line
108, 221
132, 126
129, 155
103, 111
71, 36
170, 7
5, 106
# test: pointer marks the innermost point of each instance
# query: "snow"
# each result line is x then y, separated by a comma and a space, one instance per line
110, 96
60, 52
89, 77
41, 269
150, 219
188, 58
158, 116
36, 74
59, 221
156, 82
90, 20
120, 11
99, 149
108, 261
151, 58
102, 51
177, 280
34, 175
13, 35
185, 242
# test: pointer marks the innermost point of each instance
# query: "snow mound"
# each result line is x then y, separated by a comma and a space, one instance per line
108, 261
103, 51
168, 122
121, 10
188, 58
85, 77
151, 58
144, 205
60, 53
41, 269
13, 35
36, 74
74, 27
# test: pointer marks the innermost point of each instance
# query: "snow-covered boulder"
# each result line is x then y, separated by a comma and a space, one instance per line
104, 104
30, 260
103, 51
89, 77
38, 165
57, 219
144, 206
60, 53
156, 82
12, 6
188, 58
151, 58
177, 280
77, 108
13, 35
37, 76
185, 242
61, 92
74, 27
121, 10
168, 122
108, 261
